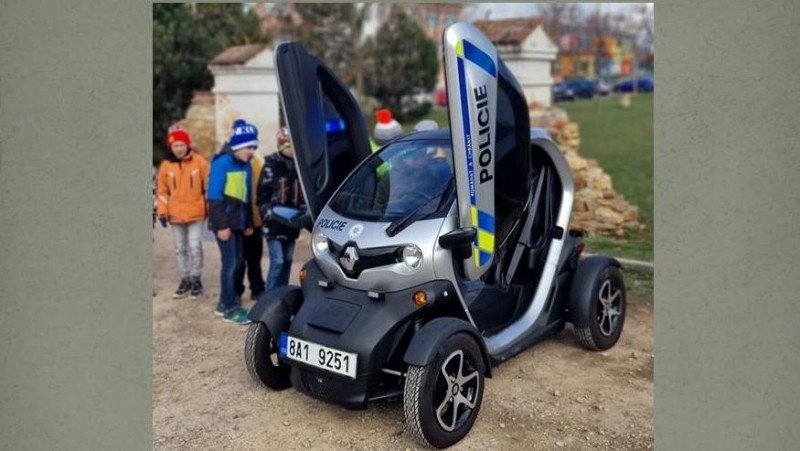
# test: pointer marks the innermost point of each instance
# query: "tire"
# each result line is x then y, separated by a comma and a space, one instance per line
426, 387
600, 322
261, 357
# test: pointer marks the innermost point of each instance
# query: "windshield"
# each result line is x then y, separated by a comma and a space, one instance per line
406, 177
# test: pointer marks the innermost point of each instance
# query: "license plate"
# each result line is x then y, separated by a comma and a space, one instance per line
319, 356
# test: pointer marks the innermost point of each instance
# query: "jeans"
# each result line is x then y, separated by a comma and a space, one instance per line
232, 257
251, 263
188, 248
281, 253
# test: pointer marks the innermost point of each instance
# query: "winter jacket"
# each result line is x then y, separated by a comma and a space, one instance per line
181, 187
230, 192
278, 185
255, 166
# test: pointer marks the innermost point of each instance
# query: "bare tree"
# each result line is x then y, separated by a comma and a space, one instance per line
646, 25
559, 18
334, 33
599, 26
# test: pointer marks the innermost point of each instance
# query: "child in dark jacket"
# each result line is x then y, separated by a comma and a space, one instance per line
231, 214
279, 186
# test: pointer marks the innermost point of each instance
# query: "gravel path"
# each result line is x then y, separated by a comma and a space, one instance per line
554, 396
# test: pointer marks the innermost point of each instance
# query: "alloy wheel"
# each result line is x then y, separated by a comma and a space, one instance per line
456, 391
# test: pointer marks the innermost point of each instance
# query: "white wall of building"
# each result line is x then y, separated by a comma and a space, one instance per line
532, 65
534, 79
250, 92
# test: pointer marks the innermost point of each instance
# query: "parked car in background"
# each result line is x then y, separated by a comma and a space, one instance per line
578, 88
441, 97
644, 84
561, 92
603, 87
582, 87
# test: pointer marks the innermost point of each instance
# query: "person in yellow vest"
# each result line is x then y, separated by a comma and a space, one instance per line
386, 130
253, 248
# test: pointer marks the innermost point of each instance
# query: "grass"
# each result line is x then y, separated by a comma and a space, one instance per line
621, 140
638, 282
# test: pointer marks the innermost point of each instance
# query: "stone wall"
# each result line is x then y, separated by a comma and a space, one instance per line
597, 207
200, 121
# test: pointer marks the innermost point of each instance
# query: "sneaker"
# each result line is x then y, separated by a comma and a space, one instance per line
196, 289
183, 289
236, 315
220, 310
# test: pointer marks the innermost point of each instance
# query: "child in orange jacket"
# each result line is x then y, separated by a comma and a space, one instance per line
181, 189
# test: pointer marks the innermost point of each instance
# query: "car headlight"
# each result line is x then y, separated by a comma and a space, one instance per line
319, 243
412, 256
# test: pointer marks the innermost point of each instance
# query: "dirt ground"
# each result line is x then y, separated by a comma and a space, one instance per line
553, 396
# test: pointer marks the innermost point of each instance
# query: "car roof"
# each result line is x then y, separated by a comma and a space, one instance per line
436, 134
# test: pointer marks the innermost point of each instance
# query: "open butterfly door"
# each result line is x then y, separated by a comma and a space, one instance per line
470, 62
490, 129
326, 126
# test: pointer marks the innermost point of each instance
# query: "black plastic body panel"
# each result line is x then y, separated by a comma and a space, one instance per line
275, 308
432, 336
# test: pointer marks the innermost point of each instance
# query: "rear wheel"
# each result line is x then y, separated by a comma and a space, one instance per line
261, 357
603, 315
441, 400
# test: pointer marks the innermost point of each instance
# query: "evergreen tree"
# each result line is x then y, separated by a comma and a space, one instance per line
185, 38
402, 62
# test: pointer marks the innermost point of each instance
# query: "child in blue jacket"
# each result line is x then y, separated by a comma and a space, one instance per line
231, 214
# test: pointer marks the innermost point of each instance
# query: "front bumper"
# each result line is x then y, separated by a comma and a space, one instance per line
349, 320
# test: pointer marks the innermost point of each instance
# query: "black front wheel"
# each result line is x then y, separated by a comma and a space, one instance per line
441, 400
261, 357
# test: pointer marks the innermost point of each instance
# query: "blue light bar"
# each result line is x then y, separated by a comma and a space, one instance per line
334, 126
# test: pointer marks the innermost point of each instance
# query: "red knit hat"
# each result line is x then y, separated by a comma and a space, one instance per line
178, 135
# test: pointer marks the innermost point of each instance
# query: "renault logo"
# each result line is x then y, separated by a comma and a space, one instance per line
349, 259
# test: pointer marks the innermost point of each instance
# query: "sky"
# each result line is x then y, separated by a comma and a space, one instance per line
509, 10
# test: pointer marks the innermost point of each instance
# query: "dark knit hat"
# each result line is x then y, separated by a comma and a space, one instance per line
244, 135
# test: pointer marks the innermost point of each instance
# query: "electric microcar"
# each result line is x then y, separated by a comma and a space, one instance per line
435, 258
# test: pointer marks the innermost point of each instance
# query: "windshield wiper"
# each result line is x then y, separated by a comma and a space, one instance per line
397, 226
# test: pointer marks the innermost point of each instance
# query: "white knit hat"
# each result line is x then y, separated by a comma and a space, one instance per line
386, 129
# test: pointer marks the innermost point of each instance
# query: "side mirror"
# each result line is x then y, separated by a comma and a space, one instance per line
459, 241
